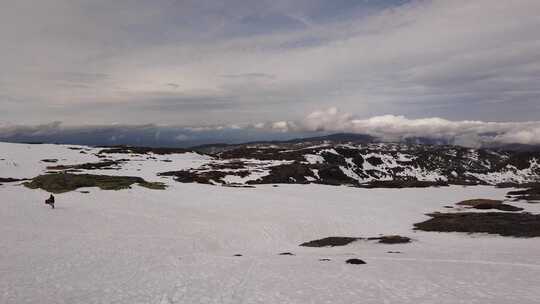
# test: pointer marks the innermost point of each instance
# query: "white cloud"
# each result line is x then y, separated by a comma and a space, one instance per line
398, 128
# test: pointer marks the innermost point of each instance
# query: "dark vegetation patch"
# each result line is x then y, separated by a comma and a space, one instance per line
486, 204
374, 161
333, 175
531, 194
202, 177
231, 165
391, 239
404, 183
502, 223
65, 182
355, 262
264, 153
11, 180
238, 186
334, 241
294, 173
142, 150
331, 241
107, 164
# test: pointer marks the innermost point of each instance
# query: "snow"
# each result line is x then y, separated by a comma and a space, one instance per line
254, 175
177, 245
314, 158
512, 174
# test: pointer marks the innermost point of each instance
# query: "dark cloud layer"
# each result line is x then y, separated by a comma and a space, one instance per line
388, 128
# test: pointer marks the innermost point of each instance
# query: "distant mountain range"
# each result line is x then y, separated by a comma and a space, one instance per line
340, 138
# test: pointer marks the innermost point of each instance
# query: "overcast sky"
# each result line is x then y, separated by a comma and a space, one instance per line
238, 62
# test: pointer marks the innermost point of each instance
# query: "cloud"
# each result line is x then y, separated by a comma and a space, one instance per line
399, 128
389, 128
107, 61
248, 76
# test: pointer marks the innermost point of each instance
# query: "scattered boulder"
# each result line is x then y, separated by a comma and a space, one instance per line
355, 262
286, 253
237, 255
324, 260
334, 241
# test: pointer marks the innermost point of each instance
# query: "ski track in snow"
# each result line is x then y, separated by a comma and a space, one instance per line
177, 245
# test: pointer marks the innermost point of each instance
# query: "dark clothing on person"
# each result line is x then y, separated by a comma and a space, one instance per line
50, 201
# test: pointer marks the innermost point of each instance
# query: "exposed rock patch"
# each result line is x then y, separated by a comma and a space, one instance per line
107, 164
502, 223
485, 204
381, 165
65, 182
335, 241
532, 194
11, 180
404, 183
142, 150
331, 241
50, 160
391, 239
205, 177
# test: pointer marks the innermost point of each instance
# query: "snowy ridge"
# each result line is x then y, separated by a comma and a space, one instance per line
358, 164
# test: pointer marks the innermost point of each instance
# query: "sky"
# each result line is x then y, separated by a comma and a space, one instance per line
393, 68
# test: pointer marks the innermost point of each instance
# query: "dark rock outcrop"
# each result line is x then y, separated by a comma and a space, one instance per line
334, 241
486, 204
355, 262
502, 223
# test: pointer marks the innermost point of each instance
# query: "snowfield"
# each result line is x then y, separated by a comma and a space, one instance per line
178, 245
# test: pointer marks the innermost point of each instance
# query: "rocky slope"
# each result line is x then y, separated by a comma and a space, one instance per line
364, 164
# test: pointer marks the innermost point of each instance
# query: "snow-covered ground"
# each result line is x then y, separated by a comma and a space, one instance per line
178, 245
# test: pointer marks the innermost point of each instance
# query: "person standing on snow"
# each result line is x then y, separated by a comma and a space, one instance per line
50, 201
